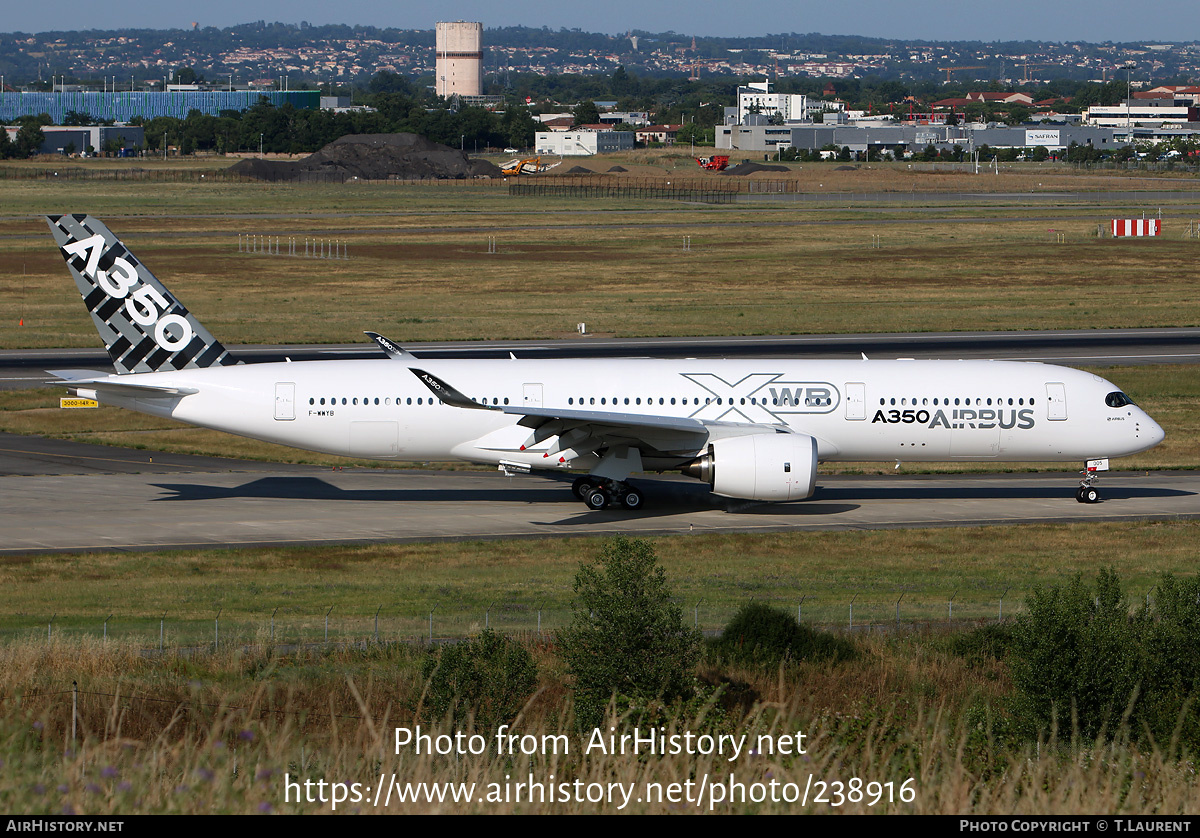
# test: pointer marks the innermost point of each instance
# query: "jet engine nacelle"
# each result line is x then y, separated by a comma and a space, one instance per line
774, 467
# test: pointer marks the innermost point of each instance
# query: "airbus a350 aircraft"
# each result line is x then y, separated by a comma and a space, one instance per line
751, 429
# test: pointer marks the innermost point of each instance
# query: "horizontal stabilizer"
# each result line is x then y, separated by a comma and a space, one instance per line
90, 380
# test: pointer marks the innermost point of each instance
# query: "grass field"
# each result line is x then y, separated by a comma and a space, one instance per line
419, 267
196, 730
207, 731
516, 579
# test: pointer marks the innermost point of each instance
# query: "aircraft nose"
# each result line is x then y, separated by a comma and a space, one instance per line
1150, 431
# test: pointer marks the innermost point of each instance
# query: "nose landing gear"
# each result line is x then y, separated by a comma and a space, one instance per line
1087, 492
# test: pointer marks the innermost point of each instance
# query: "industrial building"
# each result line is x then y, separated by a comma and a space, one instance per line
757, 98
1155, 113
459, 59
582, 142
815, 136
123, 106
70, 139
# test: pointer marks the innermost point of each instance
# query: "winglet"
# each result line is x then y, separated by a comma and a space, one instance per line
389, 348
447, 393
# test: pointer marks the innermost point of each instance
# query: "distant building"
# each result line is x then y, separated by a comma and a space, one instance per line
664, 134
628, 117
459, 54
582, 142
908, 137
123, 106
757, 98
1001, 98
1146, 113
70, 139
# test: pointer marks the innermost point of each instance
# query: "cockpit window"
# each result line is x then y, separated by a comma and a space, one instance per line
1117, 399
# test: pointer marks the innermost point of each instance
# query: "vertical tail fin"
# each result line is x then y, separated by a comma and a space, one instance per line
144, 328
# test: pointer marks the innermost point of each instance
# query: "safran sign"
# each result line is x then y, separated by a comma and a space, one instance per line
71, 403
1049, 139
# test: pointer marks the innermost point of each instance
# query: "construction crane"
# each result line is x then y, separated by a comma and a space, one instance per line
950, 70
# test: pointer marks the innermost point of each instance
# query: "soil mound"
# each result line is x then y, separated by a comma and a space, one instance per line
846, 169
579, 170
618, 169
749, 168
372, 157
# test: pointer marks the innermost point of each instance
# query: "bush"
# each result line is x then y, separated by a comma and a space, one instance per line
1083, 662
987, 643
761, 635
1075, 653
626, 638
488, 677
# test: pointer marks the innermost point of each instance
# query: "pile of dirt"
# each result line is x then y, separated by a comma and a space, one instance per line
372, 157
749, 168
618, 169
846, 169
579, 170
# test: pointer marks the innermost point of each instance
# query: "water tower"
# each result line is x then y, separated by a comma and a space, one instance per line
459, 59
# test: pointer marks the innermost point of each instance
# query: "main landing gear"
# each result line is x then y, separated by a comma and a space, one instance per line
601, 493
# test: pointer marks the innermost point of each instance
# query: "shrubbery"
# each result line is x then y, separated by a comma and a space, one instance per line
488, 677
761, 635
1082, 662
627, 637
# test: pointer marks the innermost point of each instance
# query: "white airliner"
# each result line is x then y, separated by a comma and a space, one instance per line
751, 429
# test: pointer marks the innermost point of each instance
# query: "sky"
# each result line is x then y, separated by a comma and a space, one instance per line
1166, 21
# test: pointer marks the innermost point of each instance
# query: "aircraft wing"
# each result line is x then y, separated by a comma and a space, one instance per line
600, 425
91, 380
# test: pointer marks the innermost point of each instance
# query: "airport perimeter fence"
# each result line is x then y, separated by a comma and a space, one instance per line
591, 191
175, 175
287, 630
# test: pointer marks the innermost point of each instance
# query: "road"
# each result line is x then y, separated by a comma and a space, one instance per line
63, 496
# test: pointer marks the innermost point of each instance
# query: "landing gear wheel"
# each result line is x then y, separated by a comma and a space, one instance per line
598, 499
1090, 495
1079, 495
582, 487
632, 499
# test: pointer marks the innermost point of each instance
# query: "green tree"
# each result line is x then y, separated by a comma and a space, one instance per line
77, 118
29, 140
7, 149
586, 113
186, 75
627, 637
1018, 114
1076, 657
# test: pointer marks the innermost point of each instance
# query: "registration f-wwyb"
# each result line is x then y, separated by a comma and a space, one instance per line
752, 429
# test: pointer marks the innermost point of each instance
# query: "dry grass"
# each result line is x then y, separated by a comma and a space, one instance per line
228, 729
752, 269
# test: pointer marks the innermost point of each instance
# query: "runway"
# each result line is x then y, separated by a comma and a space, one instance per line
1093, 347
75, 497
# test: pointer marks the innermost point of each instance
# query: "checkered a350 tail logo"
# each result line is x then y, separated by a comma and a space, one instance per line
144, 328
